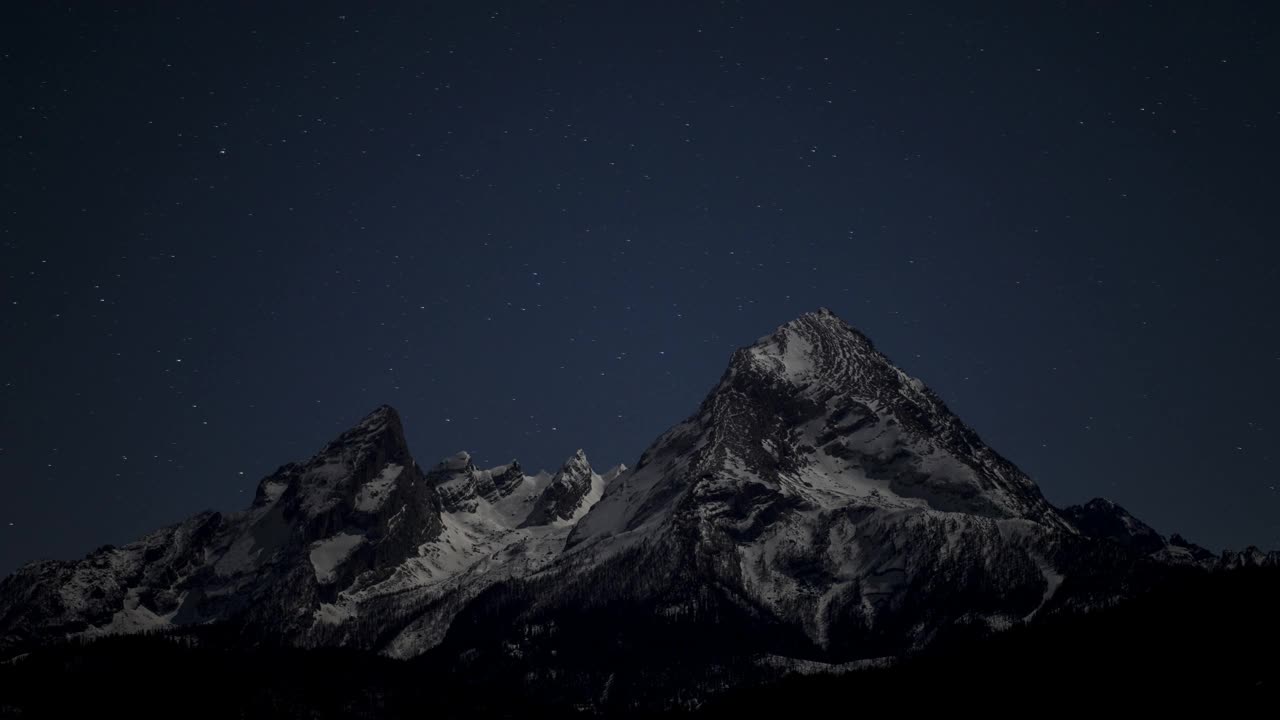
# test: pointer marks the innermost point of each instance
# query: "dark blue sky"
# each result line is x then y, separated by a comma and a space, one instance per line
229, 231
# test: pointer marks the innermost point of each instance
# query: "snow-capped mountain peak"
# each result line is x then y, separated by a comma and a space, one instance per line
817, 346
813, 417
572, 491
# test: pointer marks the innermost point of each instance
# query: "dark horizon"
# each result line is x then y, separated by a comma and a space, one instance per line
233, 231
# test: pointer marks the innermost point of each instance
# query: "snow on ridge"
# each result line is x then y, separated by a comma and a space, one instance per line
457, 461
797, 359
787, 351
612, 473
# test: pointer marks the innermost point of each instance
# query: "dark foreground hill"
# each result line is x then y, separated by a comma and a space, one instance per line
1201, 637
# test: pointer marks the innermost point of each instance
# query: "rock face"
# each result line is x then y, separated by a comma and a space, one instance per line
1250, 557
570, 495
819, 506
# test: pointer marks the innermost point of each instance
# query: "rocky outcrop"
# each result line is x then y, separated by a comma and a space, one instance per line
569, 494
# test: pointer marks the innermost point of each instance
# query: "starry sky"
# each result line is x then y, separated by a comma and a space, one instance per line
230, 230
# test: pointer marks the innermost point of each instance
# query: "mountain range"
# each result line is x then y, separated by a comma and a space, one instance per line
821, 511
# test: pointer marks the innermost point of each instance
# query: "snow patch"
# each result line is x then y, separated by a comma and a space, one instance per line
1052, 579
333, 614
328, 555
272, 490
790, 352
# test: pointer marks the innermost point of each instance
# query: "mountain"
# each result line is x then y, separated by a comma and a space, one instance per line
829, 491
341, 519
1105, 520
327, 551
821, 510
570, 494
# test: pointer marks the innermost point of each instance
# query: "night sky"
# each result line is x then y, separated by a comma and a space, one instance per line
230, 231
